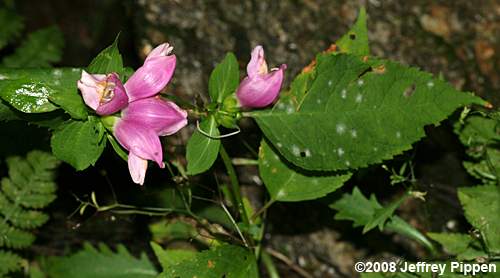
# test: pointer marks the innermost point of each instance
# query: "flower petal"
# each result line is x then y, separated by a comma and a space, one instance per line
161, 50
137, 168
260, 91
257, 64
113, 97
151, 78
88, 85
140, 140
165, 117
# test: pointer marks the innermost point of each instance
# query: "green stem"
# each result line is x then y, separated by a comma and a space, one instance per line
269, 265
235, 185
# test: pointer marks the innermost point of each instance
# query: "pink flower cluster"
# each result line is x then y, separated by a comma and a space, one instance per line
145, 116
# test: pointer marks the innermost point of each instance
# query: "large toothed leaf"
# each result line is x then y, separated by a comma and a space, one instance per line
43, 90
482, 207
108, 60
227, 261
40, 49
287, 183
224, 79
358, 113
201, 150
79, 143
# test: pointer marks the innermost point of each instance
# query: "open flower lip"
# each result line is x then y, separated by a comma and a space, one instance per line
104, 93
144, 116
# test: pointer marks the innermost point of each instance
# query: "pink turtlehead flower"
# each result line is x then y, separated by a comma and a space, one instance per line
261, 87
143, 144
164, 117
103, 92
138, 131
147, 117
154, 74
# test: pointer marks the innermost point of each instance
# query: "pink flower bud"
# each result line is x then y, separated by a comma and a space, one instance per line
143, 144
103, 93
260, 88
154, 74
165, 117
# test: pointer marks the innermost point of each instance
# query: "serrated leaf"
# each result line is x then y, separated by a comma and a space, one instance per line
9, 262
224, 79
40, 49
355, 41
108, 60
12, 25
352, 117
356, 207
482, 207
287, 183
100, 263
223, 261
37, 90
381, 215
363, 211
79, 143
202, 151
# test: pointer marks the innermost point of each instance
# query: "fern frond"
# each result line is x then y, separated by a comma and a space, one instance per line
29, 187
11, 237
9, 262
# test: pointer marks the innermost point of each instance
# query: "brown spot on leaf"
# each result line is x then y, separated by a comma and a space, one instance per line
211, 264
379, 69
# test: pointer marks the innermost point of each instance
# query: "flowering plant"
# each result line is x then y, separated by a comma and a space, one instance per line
343, 115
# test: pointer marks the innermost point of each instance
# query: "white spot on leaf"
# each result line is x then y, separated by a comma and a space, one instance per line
340, 151
340, 128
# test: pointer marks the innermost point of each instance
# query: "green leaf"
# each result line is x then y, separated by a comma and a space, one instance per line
224, 79
398, 225
352, 117
170, 258
478, 130
356, 40
287, 183
482, 206
40, 49
453, 243
108, 60
172, 229
9, 262
201, 150
37, 90
381, 215
363, 211
79, 143
487, 168
223, 261
102, 262
27, 97
12, 25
